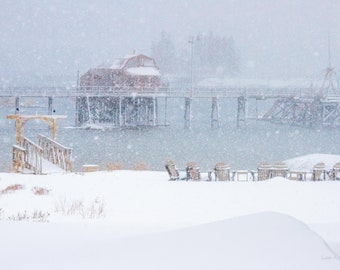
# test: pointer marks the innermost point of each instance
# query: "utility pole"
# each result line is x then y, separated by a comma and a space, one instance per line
188, 100
330, 81
192, 41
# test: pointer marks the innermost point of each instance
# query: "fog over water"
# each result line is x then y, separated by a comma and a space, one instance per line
55, 38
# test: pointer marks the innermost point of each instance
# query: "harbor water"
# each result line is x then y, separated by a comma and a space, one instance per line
242, 147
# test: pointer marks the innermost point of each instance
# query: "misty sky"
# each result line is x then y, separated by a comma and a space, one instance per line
274, 38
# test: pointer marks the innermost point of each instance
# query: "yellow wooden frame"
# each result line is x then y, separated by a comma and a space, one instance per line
20, 120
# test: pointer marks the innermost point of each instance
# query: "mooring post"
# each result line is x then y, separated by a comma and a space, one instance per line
241, 110
155, 111
166, 111
50, 105
17, 105
187, 113
120, 112
215, 113
136, 108
256, 109
76, 113
18, 128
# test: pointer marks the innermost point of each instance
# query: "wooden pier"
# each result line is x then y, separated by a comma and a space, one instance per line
121, 111
140, 107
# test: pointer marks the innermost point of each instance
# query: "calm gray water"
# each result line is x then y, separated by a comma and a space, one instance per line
242, 148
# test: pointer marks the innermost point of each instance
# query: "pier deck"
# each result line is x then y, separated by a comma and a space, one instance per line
125, 107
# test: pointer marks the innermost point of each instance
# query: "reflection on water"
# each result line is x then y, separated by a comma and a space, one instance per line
242, 148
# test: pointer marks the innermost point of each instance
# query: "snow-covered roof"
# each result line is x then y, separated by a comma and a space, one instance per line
143, 71
119, 63
145, 66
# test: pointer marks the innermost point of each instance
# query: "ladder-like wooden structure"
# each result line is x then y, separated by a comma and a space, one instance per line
56, 153
21, 120
28, 155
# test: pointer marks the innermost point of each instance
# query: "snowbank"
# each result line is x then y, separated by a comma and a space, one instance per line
148, 199
139, 219
261, 241
307, 162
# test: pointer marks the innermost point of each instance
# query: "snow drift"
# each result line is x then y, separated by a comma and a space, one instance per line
260, 241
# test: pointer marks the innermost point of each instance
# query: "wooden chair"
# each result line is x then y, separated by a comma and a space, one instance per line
193, 171
222, 172
318, 172
264, 171
172, 170
279, 170
335, 172
90, 168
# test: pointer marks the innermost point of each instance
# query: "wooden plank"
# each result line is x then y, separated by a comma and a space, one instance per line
90, 168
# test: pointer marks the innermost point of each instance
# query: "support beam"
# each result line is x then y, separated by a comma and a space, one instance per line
17, 105
187, 113
165, 111
120, 112
88, 109
155, 111
77, 122
215, 113
330, 85
20, 120
50, 105
241, 110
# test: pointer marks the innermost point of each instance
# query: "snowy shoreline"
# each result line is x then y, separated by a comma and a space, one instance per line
140, 216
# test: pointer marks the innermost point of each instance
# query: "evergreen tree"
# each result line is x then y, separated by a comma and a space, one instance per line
214, 56
164, 53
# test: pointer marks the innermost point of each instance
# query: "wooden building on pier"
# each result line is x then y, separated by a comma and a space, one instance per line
124, 94
134, 73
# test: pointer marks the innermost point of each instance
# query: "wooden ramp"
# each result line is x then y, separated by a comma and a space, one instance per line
46, 168
47, 157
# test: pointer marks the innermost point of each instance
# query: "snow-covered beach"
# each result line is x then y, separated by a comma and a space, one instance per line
129, 219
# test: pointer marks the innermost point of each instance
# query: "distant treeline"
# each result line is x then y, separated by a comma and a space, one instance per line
207, 55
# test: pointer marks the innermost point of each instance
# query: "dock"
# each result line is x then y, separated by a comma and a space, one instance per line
140, 107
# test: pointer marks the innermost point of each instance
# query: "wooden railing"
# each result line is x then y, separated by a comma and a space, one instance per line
56, 153
175, 92
34, 155
19, 158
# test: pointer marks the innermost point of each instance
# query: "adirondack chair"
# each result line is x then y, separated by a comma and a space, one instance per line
335, 172
279, 169
193, 171
172, 170
264, 171
222, 172
318, 172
